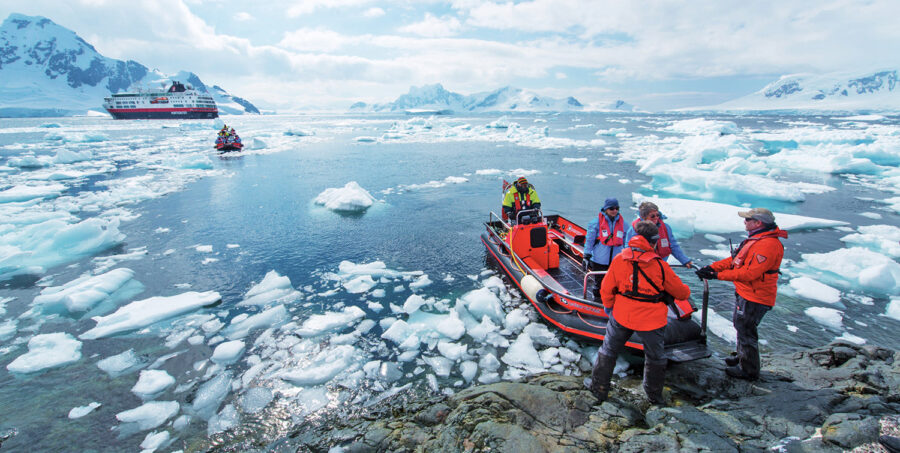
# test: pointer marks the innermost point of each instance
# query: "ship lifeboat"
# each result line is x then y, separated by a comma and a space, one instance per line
542, 256
160, 100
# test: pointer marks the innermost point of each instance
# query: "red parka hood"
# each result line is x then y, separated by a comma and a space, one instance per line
639, 249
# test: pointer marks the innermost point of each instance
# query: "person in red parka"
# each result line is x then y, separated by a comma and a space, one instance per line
637, 306
753, 268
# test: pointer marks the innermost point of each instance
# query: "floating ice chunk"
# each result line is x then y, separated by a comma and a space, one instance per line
375, 306
324, 367
826, 316
488, 378
703, 126
420, 282
311, 400
718, 325
847, 336
853, 267
204, 248
151, 383
56, 241
688, 216
440, 365
81, 411
375, 269
210, 395
26, 192
516, 320
47, 351
883, 239
65, 156
540, 334
812, 289
228, 352
226, 419
149, 415
240, 328
85, 293
148, 311
119, 364
468, 370
398, 332
327, 322
359, 284
521, 353
272, 288
256, 399
452, 351
893, 309
572, 160
351, 197
482, 302
8, 329
154, 441
413, 303
487, 332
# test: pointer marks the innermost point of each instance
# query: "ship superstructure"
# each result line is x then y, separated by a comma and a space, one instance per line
178, 102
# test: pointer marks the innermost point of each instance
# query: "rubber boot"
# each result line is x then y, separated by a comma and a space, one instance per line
654, 377
602, 375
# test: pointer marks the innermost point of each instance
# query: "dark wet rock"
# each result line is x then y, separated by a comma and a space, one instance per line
841, 391
850, 430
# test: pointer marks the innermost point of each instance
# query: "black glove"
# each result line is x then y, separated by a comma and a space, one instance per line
707, 273
586, 262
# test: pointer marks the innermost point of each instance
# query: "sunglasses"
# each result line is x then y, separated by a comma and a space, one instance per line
614, 208
653, 216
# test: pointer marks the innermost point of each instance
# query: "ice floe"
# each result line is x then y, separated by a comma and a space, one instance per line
145, 312
47, 350
85, 293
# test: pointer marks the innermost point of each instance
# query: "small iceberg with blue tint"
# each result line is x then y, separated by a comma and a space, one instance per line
350, 198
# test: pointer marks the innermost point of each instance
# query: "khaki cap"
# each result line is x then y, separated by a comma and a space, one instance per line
762, 214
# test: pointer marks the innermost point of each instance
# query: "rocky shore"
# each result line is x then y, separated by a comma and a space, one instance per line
837, 397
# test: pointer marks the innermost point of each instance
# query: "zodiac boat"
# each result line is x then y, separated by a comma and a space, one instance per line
542, 255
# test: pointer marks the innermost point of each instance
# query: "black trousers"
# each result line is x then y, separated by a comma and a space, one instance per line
746, 318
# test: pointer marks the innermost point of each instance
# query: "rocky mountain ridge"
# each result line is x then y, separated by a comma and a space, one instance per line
48, 70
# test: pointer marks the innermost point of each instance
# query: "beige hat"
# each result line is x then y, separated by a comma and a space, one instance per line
762, 214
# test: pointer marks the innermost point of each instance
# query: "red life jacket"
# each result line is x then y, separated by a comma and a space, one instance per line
617, 238
519, 202
663, 246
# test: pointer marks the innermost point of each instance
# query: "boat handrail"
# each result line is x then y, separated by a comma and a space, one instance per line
586, 275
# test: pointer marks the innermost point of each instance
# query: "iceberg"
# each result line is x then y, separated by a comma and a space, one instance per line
350, 198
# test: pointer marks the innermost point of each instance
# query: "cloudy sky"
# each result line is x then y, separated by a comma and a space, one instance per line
327, 54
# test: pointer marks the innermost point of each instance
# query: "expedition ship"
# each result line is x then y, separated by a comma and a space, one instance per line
177, 102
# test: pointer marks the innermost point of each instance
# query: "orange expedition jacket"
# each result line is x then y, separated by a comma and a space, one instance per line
630, 312
754, 268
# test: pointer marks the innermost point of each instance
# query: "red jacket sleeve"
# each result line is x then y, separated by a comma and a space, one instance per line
674, 285
763, 256
721, 265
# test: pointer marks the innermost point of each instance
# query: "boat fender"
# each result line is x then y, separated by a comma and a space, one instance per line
531, 286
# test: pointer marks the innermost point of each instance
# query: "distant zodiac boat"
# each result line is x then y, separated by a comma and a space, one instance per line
178, 101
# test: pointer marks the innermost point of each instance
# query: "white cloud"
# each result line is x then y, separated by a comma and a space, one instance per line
243, 16
374, 12
434, 27
310, 6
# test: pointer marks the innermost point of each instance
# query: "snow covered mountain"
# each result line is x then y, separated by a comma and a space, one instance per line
869, 91
436, 99
48, 70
